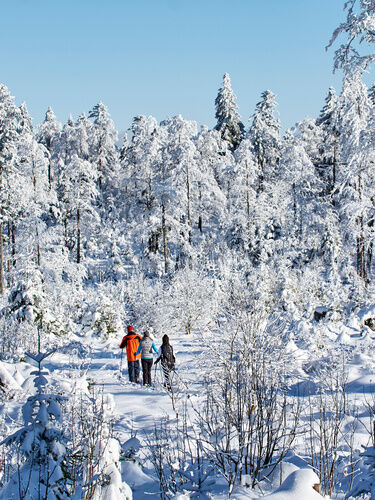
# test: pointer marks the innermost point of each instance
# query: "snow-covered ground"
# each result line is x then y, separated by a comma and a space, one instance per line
138, 410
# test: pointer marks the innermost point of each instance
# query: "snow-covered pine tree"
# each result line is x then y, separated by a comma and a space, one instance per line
306, 212
80, 193
82, 132
354, 191
16, 186
103, 153
265, 137
47, 134
357, 27
228, 120
242, 198
329, 148
139, 217
39, 445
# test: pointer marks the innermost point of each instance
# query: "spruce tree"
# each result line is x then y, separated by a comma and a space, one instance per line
48, 134
41, 443
228, 120
265, 137
329, 150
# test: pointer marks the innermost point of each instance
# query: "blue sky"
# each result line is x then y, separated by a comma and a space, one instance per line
167, 57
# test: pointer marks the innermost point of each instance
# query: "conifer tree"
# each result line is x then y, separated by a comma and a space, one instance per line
79, 195
354, 192
10, 178
228, 120
265, 136
329, 147
103, 152
47, 134
39, 444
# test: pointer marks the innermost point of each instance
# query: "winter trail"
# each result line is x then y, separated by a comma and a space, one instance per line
137, 407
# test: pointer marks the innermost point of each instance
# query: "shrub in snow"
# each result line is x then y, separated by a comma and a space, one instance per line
107, 320
39, 446
93, 454
364, 483
26, 314
183, 467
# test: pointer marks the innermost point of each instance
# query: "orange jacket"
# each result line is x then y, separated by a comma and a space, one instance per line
131, 342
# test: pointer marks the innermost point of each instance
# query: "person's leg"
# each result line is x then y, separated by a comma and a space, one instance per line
166, 372
144, 371
147, 372
136, 371
151, 362
131, 370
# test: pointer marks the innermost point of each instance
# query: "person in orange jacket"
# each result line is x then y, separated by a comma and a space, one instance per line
131, 342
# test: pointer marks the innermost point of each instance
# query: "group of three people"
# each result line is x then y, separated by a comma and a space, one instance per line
138, 348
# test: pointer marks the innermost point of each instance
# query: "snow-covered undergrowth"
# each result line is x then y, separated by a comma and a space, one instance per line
265, 409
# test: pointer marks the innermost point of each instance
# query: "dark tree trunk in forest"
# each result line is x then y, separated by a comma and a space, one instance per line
78, 236
165, 238
361, 241
188, 202
1, 260
200, 218
13, 240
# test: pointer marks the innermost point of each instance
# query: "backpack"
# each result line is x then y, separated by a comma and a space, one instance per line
167, 356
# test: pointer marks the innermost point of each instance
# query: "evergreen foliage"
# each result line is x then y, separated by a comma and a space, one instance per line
228, 120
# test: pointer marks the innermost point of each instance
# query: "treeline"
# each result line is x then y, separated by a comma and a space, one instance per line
85, 223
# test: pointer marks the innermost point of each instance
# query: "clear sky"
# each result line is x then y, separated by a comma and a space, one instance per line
167, 57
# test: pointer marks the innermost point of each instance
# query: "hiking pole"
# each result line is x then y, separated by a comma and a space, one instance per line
122, 352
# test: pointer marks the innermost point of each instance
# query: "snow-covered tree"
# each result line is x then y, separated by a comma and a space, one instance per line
358, 27
103, 153
228, 120
40, 445
80, 193
265, 137
329, 147
47, 134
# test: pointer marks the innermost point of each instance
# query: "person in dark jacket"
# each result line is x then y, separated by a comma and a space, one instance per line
145, 349
167, 361
131, 341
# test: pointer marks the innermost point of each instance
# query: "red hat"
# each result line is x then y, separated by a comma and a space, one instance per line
130, 328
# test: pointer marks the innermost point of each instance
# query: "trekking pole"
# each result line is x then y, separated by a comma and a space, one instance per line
180, 379
122, 351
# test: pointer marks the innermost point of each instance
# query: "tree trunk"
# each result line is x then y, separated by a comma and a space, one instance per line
13, 239
49, 174
188, 202
1, 261
37, 245
165, 238
78, 236
200, 218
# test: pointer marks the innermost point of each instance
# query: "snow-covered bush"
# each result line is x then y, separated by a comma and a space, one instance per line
93, 454
39, 446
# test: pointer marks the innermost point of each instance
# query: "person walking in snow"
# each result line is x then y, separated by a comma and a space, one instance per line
131, 341
167, 361
145, 349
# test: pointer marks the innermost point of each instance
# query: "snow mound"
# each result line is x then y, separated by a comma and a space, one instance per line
7, 380
297, 486
344, 338
134, 476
